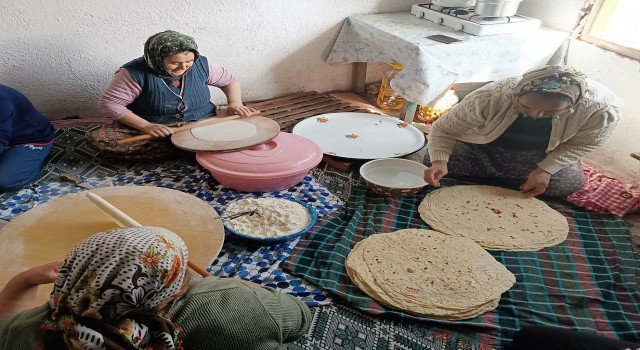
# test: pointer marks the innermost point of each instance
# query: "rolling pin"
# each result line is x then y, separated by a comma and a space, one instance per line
123, 220
199, 123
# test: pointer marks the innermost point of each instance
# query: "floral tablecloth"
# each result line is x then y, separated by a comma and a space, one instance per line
430, 67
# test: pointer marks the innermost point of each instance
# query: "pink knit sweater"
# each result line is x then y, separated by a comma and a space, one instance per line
123, 89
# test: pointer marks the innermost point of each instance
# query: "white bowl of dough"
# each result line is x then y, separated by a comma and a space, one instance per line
274, 220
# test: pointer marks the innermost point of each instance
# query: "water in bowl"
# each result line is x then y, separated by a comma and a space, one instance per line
392, 177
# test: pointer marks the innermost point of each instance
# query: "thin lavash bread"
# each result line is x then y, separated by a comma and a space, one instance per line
496, 218
428, 273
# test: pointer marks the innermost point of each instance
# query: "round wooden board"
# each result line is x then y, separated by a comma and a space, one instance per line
48, 232
267, 129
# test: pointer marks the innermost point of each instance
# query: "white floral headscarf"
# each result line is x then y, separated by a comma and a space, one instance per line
110, 285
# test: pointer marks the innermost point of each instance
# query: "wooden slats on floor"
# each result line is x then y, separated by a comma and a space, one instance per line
286, 110
289, 110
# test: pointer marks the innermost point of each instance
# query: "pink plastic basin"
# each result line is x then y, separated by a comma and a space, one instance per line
273, 166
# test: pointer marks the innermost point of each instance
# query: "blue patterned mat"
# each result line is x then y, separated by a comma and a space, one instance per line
259, 264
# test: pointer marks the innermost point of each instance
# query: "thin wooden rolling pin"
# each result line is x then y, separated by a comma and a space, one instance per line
203, 122
124, 220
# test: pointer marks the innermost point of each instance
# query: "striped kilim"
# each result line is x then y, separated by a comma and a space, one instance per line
588, 283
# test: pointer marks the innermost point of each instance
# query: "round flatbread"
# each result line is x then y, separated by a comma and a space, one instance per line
428, 273
496, 218
231, 130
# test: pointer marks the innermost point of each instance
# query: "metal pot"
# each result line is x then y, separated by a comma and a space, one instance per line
496, 8
454, 3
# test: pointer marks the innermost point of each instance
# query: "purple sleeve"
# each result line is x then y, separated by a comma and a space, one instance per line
219, 76
119, 94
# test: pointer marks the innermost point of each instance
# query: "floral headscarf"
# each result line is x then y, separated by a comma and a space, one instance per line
164, 44
109, 286
562, 80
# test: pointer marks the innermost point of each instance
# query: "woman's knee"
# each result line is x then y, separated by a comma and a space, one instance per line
566, 184
15, 174
10, 183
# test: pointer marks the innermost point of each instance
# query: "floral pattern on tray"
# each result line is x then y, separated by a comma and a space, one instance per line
361, 135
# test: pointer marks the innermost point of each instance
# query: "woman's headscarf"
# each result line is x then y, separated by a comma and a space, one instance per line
562, 80
164, 44
109, 286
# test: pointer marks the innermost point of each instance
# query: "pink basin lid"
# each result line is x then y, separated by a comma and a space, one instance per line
286, 154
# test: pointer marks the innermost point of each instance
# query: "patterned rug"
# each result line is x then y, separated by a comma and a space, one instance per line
342, 327
335, 325
259, 264
588, 283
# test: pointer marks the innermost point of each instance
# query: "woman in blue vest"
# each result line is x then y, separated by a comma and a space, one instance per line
168, 86
26, 137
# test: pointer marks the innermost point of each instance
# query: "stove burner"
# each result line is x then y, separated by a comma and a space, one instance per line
495, 18
464, 19
448, 10
460, 12
488, 20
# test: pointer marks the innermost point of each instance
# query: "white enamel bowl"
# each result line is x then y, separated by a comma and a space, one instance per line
393, 176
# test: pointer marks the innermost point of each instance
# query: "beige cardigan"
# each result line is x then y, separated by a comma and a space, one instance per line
482, 116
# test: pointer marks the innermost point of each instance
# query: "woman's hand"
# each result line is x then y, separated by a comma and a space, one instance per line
157, 130
233, 92
19, 293
435, 172
537, 182
43, 274
241, 110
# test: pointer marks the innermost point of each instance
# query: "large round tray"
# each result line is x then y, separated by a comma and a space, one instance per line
361, 135
48, 232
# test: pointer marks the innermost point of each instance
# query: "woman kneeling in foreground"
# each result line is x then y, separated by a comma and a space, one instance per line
129, 289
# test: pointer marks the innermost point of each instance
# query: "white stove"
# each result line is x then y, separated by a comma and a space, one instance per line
463, 19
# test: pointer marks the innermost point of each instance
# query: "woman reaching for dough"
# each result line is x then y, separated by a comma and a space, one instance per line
527, 133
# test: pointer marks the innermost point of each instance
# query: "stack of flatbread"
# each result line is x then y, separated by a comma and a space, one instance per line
494, 217
428, 273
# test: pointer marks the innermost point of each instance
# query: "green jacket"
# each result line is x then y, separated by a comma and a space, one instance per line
215, 314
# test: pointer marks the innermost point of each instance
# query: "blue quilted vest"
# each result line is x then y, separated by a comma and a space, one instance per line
158, 104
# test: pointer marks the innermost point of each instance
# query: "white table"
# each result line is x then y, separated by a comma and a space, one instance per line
431, 67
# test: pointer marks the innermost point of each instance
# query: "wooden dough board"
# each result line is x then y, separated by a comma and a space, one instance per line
267, 129
49, 231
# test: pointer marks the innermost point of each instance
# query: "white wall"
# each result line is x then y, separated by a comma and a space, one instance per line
619, 73
62, 53
559, 14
